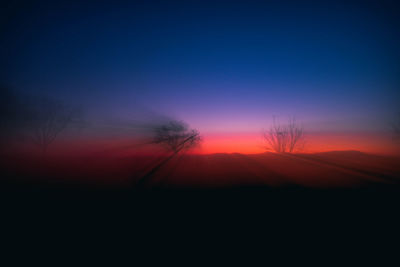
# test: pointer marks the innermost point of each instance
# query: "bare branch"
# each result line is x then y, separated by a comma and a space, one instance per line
49, 119
284, 138
176, 136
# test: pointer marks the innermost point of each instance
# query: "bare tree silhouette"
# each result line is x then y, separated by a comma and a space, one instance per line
48, 119
36, 119
283, 138
175, 136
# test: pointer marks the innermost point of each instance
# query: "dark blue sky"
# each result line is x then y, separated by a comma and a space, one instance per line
219, 65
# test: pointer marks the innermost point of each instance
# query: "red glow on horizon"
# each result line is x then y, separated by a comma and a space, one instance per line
249, 143
316, 142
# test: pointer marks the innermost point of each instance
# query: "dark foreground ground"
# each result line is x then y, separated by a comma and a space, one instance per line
348, 181
224, 206
207, 196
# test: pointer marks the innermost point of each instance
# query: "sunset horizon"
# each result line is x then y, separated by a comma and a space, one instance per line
200, 94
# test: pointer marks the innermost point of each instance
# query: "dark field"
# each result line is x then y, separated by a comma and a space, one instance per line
337, 169
208, 196
235, 181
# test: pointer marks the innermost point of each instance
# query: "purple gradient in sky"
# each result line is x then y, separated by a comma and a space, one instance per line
220, 66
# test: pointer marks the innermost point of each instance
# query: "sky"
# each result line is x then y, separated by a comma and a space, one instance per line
224, 67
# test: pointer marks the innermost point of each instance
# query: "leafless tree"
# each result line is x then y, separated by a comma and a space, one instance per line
283, 138
176, 136
48, 119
